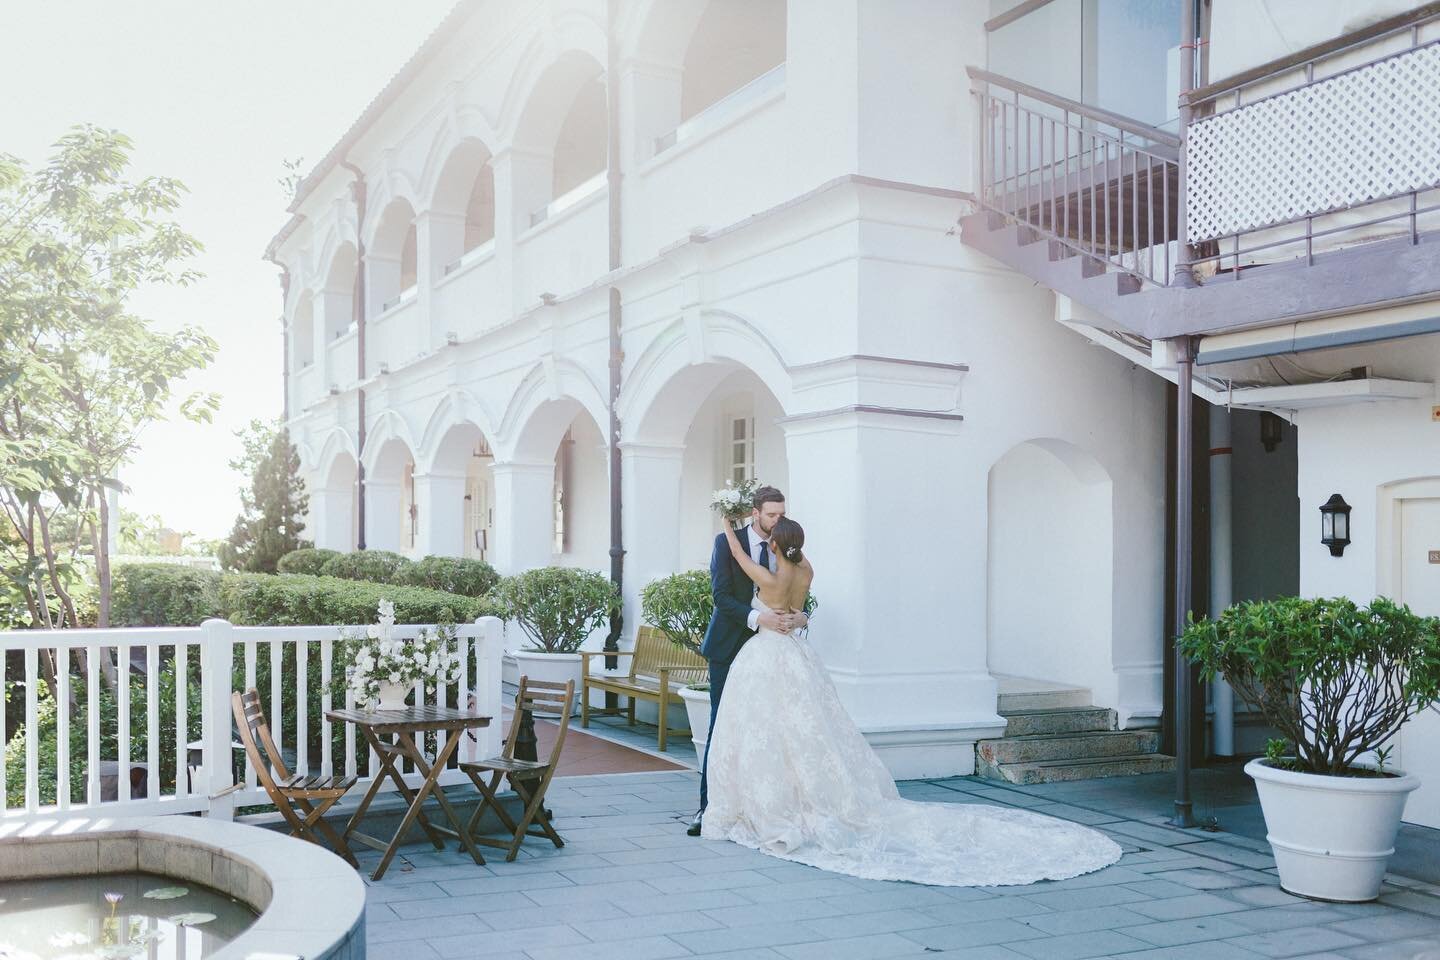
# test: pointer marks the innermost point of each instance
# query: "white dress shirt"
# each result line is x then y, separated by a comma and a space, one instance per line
754, 540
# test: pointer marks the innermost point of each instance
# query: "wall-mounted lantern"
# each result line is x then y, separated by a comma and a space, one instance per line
1272, 430
1335, 524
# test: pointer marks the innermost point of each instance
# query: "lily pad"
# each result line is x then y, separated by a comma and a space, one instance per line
191, 919
166, 893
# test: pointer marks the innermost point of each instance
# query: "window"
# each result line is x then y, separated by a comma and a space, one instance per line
562, 493
412, 510
740, 460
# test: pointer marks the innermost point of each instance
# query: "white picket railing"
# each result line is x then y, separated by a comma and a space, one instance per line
145, 656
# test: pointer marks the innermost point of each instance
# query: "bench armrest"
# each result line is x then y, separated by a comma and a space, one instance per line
606, 653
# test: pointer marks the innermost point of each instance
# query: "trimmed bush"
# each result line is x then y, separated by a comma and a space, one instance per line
679, 605
306, 560
558, 607
295, 600
469, 578
375, 566
163, 595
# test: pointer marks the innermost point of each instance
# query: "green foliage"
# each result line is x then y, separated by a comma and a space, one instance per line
467, 577
80, 374
307, 560
294, 600
680, 606
558, 607
163, 594
375, 566
1337, 679
270, 523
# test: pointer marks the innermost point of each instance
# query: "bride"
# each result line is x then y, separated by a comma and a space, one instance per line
792, 776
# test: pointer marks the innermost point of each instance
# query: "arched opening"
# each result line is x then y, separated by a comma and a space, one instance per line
334, 518
338, 298
735, 42
563, 434
480, 209
302, 332
391, 513
561, 136
463, 206
1051, 567
462, 506
390, 260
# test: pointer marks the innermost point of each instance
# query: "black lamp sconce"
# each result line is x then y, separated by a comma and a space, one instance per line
1335, 524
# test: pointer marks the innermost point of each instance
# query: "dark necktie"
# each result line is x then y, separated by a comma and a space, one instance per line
764, 554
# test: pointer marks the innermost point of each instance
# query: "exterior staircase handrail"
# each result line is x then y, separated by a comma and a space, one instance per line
1154, 134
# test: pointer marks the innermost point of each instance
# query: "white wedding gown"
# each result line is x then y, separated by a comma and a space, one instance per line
791, 775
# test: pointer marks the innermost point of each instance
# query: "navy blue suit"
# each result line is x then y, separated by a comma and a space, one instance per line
729, 628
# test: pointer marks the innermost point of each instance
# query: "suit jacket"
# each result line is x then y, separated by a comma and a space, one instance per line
732, 592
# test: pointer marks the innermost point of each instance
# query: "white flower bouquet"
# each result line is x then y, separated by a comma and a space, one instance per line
734, 502
380, 663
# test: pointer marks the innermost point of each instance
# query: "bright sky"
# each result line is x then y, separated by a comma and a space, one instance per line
216, 95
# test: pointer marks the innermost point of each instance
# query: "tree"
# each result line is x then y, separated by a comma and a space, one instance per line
80, 374
270, 523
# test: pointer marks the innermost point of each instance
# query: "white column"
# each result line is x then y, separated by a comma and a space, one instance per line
331, 512
524, 515
440, 498
523, 182
650, 513
382, 514
899, 542
1222, 730
439, 239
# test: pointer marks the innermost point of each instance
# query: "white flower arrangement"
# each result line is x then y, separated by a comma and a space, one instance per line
378, 657
734, 502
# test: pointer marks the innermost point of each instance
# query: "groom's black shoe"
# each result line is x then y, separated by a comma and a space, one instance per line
694, 830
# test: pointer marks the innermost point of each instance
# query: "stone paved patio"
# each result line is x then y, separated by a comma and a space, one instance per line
630, 884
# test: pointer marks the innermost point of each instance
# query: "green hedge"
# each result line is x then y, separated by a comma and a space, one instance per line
163, 595
306, 560
469, 578
158, 595
374, 566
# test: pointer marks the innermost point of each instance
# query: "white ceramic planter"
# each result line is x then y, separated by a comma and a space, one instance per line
697, 708
392, 695
1332, 836
555, 667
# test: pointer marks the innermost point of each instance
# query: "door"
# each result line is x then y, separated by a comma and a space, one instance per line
1419, 752
479, 516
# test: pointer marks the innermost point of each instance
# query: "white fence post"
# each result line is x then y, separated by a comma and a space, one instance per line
217, 660
489, 698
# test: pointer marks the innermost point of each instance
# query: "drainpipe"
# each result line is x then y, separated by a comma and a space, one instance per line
1189, 41
612, 175
284, 348
1184, 531
357, 315
1222, 729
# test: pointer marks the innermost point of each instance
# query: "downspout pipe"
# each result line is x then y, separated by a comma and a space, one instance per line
1189, 43
1184, 539
357, 316
284, 347
612, 176
1222, 727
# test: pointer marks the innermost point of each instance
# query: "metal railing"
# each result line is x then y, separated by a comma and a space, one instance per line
161, 740
1097, 184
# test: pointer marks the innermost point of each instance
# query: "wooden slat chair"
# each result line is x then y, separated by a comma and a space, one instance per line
529, 778
314, 795
658, 669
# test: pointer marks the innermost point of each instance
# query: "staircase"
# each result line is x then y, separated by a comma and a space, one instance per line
1054, 733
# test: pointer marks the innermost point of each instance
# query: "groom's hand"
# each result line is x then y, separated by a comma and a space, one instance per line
770, 620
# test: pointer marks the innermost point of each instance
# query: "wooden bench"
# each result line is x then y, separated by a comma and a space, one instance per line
658, 669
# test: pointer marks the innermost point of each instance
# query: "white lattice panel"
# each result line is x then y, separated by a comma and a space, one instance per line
1364, 135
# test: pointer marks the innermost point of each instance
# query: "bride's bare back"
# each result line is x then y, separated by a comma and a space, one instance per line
784, 590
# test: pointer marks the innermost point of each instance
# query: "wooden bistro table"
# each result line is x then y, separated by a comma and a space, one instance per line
403, 725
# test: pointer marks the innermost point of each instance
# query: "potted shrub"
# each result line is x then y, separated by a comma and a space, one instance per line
558, 608
680, 606
1338, 681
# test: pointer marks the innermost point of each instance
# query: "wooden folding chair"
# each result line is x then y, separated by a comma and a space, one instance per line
529, 778
312, 794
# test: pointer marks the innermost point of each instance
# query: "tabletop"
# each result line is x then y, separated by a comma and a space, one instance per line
412, 718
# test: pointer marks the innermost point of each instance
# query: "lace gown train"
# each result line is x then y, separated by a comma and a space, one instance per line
791, 775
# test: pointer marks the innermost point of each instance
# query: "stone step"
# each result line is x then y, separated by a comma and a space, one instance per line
1046, 698
1081, 746
1055, 720
1054, 771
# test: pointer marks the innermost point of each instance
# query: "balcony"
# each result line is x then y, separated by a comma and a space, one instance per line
343, 358
392, 338
567, 248
763, 89
305, 387
467, 299
1301, 175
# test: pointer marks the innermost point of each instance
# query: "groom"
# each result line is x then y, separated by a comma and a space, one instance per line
734, 620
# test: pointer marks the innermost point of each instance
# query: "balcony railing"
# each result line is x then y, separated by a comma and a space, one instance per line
718, 112
405, 296
478, 252
161, 741
570, 198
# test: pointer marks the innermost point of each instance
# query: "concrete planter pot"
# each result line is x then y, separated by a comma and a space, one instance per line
555, 667
392, 695
697, 708
1332, 836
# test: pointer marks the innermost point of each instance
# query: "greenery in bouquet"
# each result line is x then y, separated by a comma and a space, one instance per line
734, 501
379, 657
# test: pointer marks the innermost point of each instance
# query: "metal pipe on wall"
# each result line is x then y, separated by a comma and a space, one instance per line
1184, 541
357, 316
612, 176
1222, 728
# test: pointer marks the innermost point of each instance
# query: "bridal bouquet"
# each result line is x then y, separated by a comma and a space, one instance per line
381, 663
734, 503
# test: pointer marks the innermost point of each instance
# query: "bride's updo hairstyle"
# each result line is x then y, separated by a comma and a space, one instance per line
788, 537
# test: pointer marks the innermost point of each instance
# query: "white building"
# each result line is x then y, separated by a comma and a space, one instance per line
806, 227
